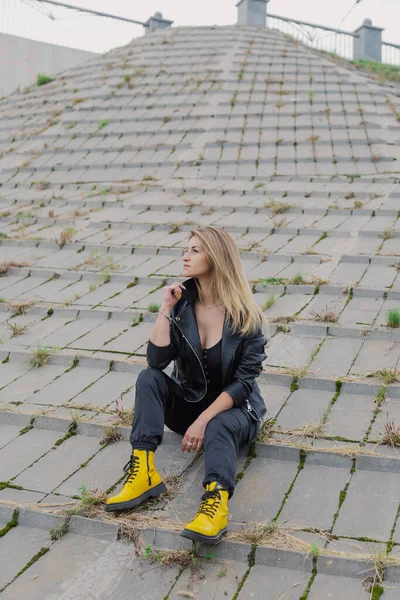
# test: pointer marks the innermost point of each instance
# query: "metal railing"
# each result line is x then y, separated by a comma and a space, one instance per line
65, 24
328, 39
390, 53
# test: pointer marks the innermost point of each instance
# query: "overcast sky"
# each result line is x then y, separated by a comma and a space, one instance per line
19, 17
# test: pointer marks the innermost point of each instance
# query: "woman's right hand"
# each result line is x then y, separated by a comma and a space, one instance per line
171, 294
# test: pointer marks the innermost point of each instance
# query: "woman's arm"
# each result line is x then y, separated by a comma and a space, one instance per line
160, 351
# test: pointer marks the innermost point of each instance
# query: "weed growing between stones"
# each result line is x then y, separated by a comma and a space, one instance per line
326, 315
393, 318
391, 434
20, 307
278, 208
58, 532
183, 558
269, 302
5, 266
125, 416
42, 79
40, 357
111, 435
154, 307
17, 329
387, 376
89, 502
65, 236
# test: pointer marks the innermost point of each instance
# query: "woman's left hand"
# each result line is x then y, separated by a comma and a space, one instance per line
194, 436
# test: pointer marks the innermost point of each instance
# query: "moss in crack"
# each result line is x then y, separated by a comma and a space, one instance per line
6, 484
5, 361
294, 385
13, 522
28, 427
38, 555
377, 592
71, 431
343, 494
251, 561
251, 454
58, 532
303, 456
304, 596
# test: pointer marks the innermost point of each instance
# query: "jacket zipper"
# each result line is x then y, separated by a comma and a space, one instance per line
251, 409
195, 353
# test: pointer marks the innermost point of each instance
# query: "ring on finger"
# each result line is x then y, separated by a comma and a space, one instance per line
189, 444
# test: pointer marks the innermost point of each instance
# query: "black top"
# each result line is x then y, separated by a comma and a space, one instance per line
213, 371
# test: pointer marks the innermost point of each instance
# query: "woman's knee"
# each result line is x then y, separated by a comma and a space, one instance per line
150, 376
222, 423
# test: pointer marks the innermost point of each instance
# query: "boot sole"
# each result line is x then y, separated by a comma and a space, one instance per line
198, 537
152, 493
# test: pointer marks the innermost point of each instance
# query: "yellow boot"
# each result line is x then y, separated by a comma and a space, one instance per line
211, 521
142, 482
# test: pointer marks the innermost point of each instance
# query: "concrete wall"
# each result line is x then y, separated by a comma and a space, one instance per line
22, 59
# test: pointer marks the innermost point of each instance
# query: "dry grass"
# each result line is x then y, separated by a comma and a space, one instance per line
391, 434
387, 376
17, 329
273, 534
124, 416
20, 307
40, 357
309, 250
326, 315
111, 435
277, 223
89, 503
284, 320
66, 236
295, 372
7, 264
309, 431
278, 208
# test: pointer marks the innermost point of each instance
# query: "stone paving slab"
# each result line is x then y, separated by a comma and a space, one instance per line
68, 386
17, 547
53, 468
24, 450
351, 416
328, 586
369, 491
106, 390
304, 407
23, 387
54, 573
314, 498
280, 583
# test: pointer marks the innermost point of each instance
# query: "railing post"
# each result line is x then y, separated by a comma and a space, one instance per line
157, 21
252, 12
368, 43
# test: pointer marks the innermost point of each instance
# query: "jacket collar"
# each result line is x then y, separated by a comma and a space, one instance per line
188, 324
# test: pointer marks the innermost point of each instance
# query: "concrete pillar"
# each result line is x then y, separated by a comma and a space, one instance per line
368, 44
252, 12
157, 21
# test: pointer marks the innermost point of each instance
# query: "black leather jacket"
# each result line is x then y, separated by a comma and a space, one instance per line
241, 358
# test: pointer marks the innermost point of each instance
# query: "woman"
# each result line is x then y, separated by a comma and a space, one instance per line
211, 327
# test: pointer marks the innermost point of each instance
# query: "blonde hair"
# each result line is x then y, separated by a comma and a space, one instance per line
229, 284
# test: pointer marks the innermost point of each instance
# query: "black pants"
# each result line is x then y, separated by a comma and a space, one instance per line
159, 400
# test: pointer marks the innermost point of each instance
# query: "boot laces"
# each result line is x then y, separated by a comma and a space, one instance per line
131, 468
210, 502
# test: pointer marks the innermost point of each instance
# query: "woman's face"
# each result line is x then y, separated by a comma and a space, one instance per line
195, 261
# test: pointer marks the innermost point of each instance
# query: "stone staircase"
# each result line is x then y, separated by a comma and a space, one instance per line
104, 174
